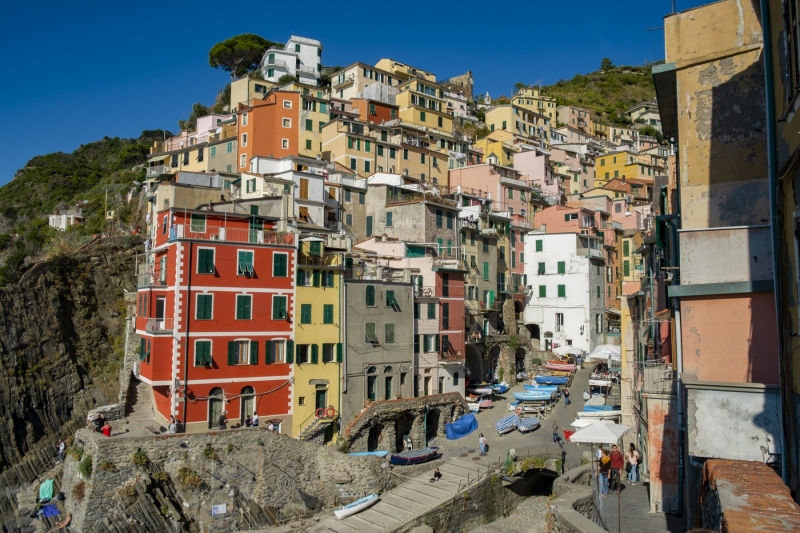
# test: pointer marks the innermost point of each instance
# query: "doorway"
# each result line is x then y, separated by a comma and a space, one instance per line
161, 304
441, 385
248, 402
215, 401
427, 386
321, 399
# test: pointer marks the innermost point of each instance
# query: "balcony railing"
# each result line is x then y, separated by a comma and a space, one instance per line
150, 280
157, 170
276, 63
308, 70
590, 252
425, 292
416, 196
159, 325
606, 224
324, 260
347, 79
658, 377
370, 272
214, 233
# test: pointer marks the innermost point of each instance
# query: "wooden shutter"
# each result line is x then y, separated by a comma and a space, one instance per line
338, 352
314, 354
316, 278
231, 353
436, 343
142, 349
253, 352
305, 314
290, 352
300, 278
327, 314
269, 354
370, 295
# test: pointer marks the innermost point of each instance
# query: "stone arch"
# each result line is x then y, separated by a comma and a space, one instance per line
216, 406
374, 438
403, 425
432, 424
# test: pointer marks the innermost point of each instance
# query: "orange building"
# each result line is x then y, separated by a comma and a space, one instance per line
374, 111
268, 127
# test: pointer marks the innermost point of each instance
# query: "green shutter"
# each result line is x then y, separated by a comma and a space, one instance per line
338, 352
290, 352
142, 349
206, 260
626, 268
370, 296
416, 310
542, 291
279, 266
231, 353
485, 271
327, 314
279, 308
316, 248
316, 278
269, 355
314, 354
626, 248
253, 352
369, 226
431, 311
416, 343
300, 278
436, 342
390, 301
305, 314
562, 291
562, 267
388, 218
538, 245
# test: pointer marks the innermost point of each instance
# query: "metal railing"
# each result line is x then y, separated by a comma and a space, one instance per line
276, 63
424, 291
150, 280
215, 233
324, 260
610, 225
308, 70
157, 170
159, 325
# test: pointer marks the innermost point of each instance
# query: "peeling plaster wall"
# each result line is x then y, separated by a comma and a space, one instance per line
662, 452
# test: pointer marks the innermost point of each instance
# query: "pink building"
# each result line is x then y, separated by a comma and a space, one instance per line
535, 165
581, 167
508, 187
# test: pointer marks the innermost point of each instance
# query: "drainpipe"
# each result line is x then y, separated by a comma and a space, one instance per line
772, 168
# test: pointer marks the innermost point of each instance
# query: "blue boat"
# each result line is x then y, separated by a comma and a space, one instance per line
541, 388
500, 388
600, 407
506, 424
551, 380
376, 453
532, 396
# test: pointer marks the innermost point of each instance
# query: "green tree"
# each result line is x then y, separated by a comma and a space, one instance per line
239, 54
519, 86
198, 110
606, 64
287, 78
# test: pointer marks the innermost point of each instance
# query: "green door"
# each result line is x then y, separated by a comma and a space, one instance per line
321, 402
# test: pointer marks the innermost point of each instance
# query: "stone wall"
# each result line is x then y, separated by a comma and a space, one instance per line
381, 426
745, 496
572, 508
262, 478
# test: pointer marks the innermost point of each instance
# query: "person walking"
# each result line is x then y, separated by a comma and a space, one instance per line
617, 464
482, 444
566, 398
586, 396
633, 457
223, 421
555, 432
61, 449
604, 472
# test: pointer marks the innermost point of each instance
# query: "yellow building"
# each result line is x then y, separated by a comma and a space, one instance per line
502, 150
246, 89
423, 104
318, 342
531, 99
404, 71
519, 120
631, 262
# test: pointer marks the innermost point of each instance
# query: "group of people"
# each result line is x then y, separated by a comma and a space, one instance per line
610, 464
99, 424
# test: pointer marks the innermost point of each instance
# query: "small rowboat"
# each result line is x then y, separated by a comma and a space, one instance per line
414, 457
479, 390
485, 403
599, 408
506, 424
541, 388
474, 407
356, 506
599, 383
527, 424
560, 366
533, 396
600, 414
376, 453
500, 388
551, 380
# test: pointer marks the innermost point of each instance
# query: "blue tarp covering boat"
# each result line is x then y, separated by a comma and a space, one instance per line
533, 396
376, 453
461, 427
551, 380
506, 424
527, 424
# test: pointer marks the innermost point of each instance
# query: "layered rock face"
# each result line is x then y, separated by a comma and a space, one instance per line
61, 346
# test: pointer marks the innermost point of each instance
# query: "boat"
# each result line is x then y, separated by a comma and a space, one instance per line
533, 396
541, 388
600, 408
376, 453
551, 380
527, 424
599, 383
506, 424
600, 414
523, 407
414, 457
485, 403
356, 506
474, 407
560, 366
479, 390
500, 388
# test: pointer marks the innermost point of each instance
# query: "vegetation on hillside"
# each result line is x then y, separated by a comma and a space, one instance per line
608, 92
60, 181
240, 54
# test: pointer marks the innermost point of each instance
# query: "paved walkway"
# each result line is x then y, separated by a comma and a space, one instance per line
634, 504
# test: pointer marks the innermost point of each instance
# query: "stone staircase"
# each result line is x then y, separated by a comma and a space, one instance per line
411, 499
139, 413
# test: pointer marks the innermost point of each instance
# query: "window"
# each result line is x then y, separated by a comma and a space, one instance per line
362, 198
205, 306
198, 223
440, 122
297, 48
522, 257
599, 293
244, 140
405, 153
353, 163
287, 104
445, 316
542, 291
389, 339
372, 109
370, 296
438, 218
513, 258
510, 194
202, 353
539, 245
367, 166
280, 267
455, 378
390, 300
303, 353
327, 314
285, 144
598, 323
205, 261
244, 307
626, 248
369, 226
449, 220
245, 263
562, 291
229, 148
422, 116
279, 308
559, 321
271, 73
213, 151
367, 146
562, 267
243, 160
392, 153
305, 314
369, 333
348, 220
626, 268
485, 271
422, 158
327, 353
431, 311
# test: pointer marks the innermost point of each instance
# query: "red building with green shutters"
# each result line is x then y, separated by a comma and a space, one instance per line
214, 312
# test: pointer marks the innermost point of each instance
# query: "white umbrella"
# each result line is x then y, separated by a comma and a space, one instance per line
564, 350
607, 433
583, 422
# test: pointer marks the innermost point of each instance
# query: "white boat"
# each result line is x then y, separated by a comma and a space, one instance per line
480, 390
599, 383
356, 506
599, 414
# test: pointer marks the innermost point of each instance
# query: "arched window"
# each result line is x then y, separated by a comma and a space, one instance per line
387, 370
215, 407
247, 404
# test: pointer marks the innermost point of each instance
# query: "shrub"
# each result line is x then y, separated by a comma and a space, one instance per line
128, 490
211, 453
164, 510
160, 475
140, 459
85, 467
189, 479
231, 447
259, 442
107, 466
75, 451
79, 491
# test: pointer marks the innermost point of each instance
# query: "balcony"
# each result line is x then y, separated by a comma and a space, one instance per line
156, 171
324, 260
418, 196
276, 63
425, 292
347, 79
590, 252
334, 225
307, 70
606, 224
159, 325
150, 280
587, 223
225, 234
658, 378
378, 273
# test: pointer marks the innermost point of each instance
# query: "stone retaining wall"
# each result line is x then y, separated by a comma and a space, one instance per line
745, 496
259, 476
572, 509
382, 425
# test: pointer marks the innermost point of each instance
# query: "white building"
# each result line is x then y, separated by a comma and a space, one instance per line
565, 300
351, 81
61, 220
300, 57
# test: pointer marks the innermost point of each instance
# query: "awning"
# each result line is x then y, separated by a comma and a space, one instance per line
158, 159
311, 239
304, 214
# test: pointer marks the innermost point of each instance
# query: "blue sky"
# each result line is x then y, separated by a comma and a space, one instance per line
77, 71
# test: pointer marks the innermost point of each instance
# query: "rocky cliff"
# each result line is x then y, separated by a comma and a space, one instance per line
61, 346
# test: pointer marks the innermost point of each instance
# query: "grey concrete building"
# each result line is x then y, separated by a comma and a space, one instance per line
379, 325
